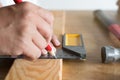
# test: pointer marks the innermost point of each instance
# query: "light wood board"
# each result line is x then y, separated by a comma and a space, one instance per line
42, 69
36, 70
95, 36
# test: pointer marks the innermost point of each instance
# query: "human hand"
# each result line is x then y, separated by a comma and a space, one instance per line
25, 29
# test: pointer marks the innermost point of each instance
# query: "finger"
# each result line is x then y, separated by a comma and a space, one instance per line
46, 15
44, 52
43, 27
31, 51
39, 40
55, 41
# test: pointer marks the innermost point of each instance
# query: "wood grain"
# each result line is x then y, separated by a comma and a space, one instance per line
36, 70
42, 69
95, 36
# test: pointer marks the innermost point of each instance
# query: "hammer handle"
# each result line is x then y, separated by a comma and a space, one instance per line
111, 25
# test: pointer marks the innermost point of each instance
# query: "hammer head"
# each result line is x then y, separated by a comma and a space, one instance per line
109, 54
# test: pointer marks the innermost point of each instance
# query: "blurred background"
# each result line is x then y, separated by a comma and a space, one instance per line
72, 4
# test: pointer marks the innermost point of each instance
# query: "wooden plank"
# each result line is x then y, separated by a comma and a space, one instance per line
36, 70
95, 36
42, 69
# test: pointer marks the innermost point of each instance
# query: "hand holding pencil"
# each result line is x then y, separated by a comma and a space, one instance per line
49, 47
26, 29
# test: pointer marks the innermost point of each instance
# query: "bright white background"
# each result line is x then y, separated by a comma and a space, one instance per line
72, 4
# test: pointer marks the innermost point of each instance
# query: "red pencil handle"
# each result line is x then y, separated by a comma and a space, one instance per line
48, 48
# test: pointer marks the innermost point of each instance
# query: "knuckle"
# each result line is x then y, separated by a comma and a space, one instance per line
24, 30
26, 15
26, 10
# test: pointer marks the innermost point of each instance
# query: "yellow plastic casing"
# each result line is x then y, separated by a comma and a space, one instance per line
72, 40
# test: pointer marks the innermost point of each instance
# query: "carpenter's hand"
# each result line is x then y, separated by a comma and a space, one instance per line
25, 29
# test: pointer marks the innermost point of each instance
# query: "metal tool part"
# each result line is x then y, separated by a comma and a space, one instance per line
68, 51
110, 54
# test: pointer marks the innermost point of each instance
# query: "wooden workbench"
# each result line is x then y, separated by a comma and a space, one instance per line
95, 36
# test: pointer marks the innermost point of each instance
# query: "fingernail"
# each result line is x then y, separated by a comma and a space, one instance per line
44, 52
57, 42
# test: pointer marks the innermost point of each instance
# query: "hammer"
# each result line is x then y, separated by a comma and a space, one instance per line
109, 53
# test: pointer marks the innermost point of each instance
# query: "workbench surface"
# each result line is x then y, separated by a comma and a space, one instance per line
95, 36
